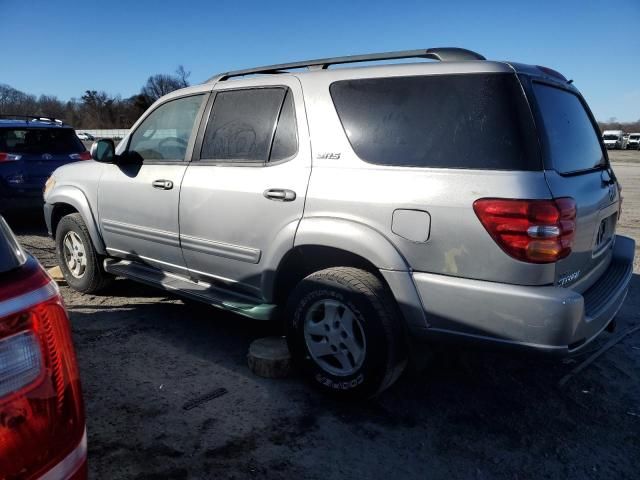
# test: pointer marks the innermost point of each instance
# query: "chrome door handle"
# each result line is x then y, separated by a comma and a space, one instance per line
280, 194
162, 184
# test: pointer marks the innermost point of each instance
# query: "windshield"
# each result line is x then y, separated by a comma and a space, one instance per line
634, 137
569, 137
40, 140
610, 137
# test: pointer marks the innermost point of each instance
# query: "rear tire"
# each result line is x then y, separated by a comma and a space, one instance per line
80, 263
344, 330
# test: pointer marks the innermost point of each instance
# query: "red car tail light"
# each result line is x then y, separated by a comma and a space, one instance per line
9, 157
80, 156
534, 231
42, 424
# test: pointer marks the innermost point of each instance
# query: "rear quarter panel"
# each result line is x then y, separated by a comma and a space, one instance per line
353, 190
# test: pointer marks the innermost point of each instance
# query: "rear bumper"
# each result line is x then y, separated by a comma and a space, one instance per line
550, 319
21, 202
48, 212
73, 466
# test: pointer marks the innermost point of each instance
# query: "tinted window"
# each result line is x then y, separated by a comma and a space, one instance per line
40, 140
285, 141
452, 121
241, 126
570, 140
165, 133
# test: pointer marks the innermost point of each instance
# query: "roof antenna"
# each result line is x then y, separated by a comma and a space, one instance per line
570, 81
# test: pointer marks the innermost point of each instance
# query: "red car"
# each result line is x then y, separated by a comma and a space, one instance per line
42, 422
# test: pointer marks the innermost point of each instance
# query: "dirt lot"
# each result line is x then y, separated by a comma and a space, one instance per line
143, 354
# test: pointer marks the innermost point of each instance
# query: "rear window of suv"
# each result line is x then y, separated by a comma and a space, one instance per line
570, 140
473, 121
40, 140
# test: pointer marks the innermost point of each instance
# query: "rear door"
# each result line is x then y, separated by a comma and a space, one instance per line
243, 194
576, 166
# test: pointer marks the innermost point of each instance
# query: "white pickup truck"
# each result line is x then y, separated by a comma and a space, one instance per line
614, 139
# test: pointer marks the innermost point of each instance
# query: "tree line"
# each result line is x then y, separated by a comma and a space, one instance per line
94, 109
613, 124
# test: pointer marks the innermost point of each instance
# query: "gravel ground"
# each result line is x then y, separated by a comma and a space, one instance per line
144, 354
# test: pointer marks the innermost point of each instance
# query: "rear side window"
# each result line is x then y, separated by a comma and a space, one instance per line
570, 139
40, 140
251, 125
477, 121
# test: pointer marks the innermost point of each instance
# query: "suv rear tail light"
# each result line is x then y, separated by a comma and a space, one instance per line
9, 157
534, 231
42, 424
80, 156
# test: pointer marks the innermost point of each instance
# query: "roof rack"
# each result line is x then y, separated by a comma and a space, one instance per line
445, 54
31, 118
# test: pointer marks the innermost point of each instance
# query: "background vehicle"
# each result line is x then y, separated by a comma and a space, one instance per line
431, 210
42, 424
85, 136
614, 139
634, 141
31, 148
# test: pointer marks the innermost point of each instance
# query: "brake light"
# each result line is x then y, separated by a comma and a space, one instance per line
9, 157
80, 156
534, 231
42, 422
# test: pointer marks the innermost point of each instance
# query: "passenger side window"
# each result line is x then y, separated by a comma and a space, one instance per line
244, 126
165, 133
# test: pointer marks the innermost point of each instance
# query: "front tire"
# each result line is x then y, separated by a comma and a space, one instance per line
80, 263
344, 329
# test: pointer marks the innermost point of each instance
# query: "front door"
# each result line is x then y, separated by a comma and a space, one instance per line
243, 194
138, 198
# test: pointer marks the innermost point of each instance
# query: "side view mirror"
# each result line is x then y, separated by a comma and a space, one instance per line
103, 151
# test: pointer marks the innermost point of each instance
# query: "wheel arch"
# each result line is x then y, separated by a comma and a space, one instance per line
325, 243
68, 199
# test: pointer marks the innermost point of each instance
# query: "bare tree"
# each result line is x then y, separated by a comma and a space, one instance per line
160, 84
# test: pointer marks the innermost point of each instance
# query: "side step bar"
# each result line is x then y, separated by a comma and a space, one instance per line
202, 292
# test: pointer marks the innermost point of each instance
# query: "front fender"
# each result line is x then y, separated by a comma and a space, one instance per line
73, 196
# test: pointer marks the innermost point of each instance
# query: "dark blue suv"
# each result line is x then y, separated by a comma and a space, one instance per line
31, 148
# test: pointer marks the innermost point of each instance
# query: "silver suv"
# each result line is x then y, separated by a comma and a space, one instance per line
364, 207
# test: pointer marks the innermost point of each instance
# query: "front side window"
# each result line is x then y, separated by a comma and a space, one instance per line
251, 125
164, 134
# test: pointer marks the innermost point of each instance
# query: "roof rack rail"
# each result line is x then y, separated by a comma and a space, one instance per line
444, 54
31, 118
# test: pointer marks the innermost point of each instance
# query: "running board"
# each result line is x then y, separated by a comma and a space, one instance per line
202, 292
